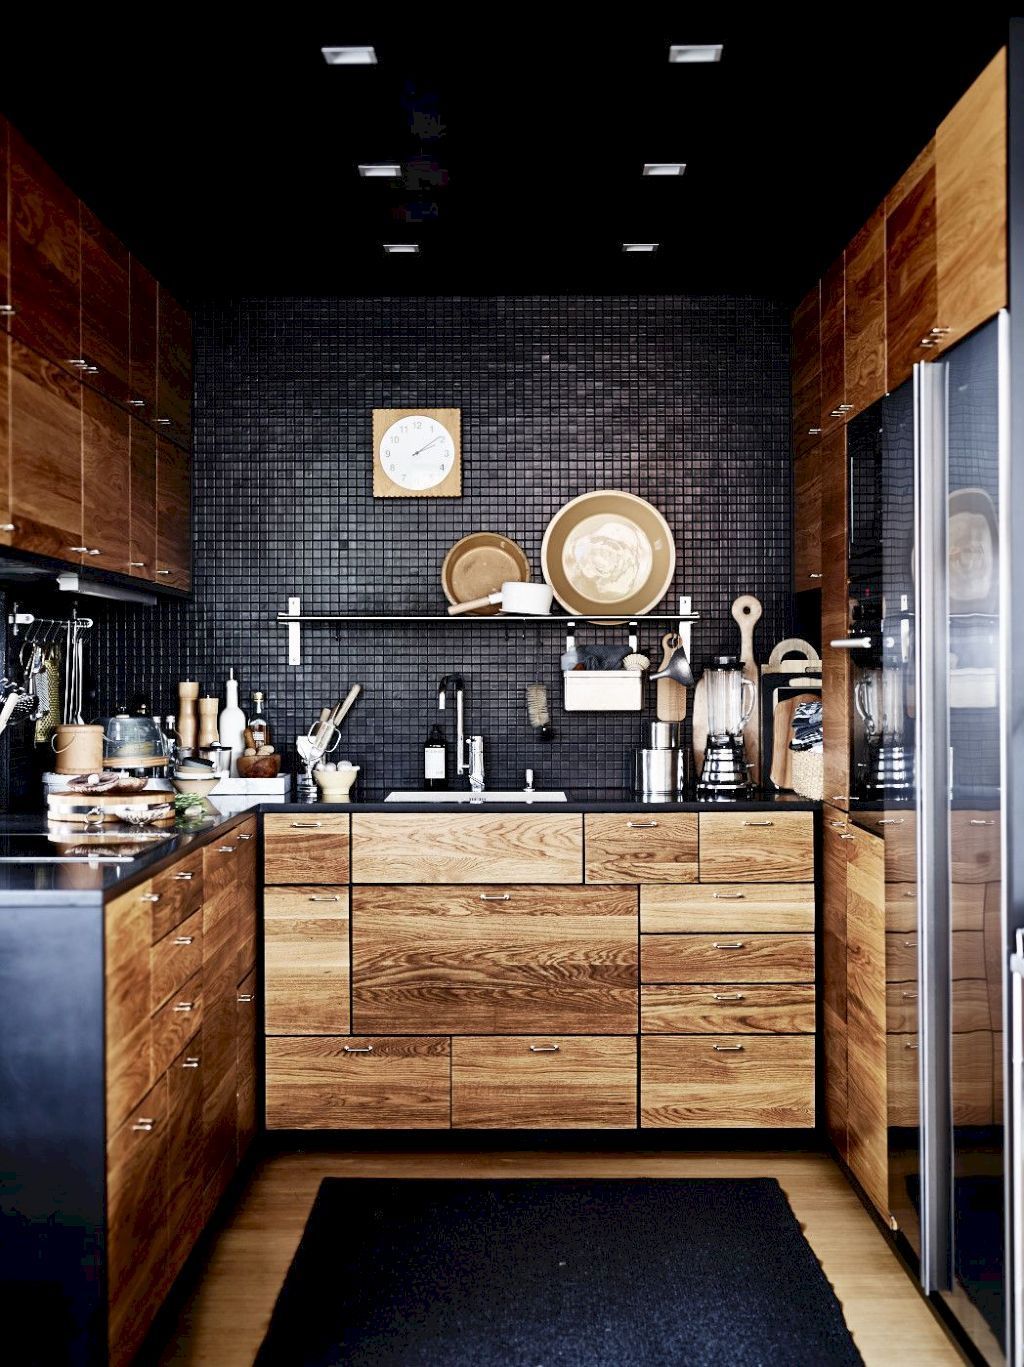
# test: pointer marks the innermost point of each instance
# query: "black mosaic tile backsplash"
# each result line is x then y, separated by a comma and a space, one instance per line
684, 401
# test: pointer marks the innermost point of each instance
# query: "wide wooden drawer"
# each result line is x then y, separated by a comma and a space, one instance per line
358, 1083
544, 1082
967, 958
719, 907
641, 849
467, 847
967, 906
728, 1081
176, 1022
487, 960
751, 847
972, 1006
725, 958
306, 960
174, 959
177, 893
722, 1008
306, 849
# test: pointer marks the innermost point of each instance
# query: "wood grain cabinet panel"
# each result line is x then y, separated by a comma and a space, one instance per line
301, 849
177, 1021
867, 1118
727, 1009
142, 341
524, 1083
911, 277
174, 369
734, 1081
142, 498
726, 958
127, 993
835, 620
177, 892
465, 847
833, 348
721, 907
744, 847
865, 315
184, 1155
807, 520
306, 965
246, 1048
106, 479
834, 977
6, 298
806, 372
105, 309
357, 1083
973, 1079
175, 958
6, 525
458, 960
173, 515
45, 258
970, 206
641, 849
974, 847
971, 1007
46, 456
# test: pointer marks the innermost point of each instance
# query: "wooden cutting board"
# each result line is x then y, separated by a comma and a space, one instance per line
746, 611
671, 696
782, 755
699, 723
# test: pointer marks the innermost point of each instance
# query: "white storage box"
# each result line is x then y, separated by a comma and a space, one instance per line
603, 690
267, 788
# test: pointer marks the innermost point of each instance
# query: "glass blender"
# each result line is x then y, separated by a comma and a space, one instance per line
730, 701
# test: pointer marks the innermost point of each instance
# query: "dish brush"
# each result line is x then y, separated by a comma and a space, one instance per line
635, 662
537, 711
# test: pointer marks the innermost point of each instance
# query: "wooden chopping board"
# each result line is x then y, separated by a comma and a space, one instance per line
746, 611
670, 703
782, 755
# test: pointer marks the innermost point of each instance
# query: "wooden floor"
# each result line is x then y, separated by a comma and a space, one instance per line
226, 1315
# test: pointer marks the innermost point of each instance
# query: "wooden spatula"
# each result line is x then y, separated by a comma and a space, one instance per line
671, 697
746, 611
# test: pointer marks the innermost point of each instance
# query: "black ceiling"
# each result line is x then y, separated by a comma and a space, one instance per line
226, 159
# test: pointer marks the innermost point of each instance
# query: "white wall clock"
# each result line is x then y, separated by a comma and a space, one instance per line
417, 453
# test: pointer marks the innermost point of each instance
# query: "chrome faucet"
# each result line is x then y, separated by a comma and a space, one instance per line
469, 750
476, 763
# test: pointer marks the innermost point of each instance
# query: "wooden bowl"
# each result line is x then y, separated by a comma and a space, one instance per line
259, 766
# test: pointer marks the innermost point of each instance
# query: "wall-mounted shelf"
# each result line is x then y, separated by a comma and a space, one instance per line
295, 619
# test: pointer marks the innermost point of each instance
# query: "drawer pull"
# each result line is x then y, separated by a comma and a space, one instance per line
243, 837
889, 821
183, 877
183, 939
315, 898
909, 996
910, 1046
910, 894
847, 837
150, 897
357, 1049
245, 997
729, 944
640, 825
191, 1062
184, 1006
728, 1048
144, 1124
909, 944
838, 825
306, 825
225, 849
728, 896
544, 1048
728, 996
977, 821
759, 823
495, 897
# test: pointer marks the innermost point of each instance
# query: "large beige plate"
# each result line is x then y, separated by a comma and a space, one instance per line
607, 552
478, 565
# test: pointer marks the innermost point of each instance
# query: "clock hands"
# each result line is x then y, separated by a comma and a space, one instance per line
432, 442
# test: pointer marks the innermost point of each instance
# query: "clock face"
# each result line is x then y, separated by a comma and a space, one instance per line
417, 452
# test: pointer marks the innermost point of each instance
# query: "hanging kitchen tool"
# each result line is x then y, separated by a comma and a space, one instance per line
670, 698
746, 612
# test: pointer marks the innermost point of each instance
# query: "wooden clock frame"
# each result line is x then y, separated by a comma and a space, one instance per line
450, 419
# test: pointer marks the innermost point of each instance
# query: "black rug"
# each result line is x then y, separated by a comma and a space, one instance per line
555, 1273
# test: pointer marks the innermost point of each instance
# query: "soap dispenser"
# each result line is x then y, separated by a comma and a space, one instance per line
435, 760
231, 726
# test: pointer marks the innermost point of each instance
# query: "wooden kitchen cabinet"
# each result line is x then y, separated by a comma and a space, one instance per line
184, 1155
105, 310
106, 476
174, 369
306, 960
740, 847
45, 258
867, 1119
173, 515
726, 958
142, 496
833, 346
864, 333
6, 525
624, 848
306, 849
722, 908
246, 1046
6, 300
354, 1082
721, 1009
834, 976
835, 620
807, 520
806, 372
46, 456
738, 1081
465, 847
142, 362
911, 275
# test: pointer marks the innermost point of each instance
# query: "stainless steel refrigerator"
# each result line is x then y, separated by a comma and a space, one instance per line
930, 571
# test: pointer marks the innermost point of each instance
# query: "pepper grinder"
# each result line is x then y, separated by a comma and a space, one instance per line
188, 695
208, 710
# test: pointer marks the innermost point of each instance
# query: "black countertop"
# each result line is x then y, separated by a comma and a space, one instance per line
92, 884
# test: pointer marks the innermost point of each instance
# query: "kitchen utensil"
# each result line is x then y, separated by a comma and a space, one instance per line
606, 552
78, 749
782, 756
660, 769
670, 698
345, 706
730, 700
538, 711
217, 755
208, 709
133, 742
476, 564
676, 666
746, 612
530, 600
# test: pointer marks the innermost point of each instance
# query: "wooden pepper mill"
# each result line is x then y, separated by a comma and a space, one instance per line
208, 710
188, 694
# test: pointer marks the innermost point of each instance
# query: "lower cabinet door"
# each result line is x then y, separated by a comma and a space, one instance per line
184, 1155
245, 1047
523, 1082
727, 1081
355, 1083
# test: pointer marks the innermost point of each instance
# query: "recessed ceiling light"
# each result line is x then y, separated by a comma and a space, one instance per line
695, 52
639, 248
380, 170
664, 168
350, 56
401, 248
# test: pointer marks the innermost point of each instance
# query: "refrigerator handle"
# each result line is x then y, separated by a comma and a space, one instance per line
932, 650
1016, 1088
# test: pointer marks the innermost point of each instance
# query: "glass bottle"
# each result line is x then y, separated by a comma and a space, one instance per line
258, 724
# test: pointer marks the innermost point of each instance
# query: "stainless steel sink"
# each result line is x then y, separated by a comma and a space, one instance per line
441, 797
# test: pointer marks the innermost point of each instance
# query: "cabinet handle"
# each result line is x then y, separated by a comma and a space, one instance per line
225, 849
136, 564
7, 310
728, 1048
728, 896
150, 897
314, 898
814, 574
136, 403
163, 571
144, 1124
759, 823
910, 894
184, 1006
82, 550
728, 996
909, 944
840, 797
729, 944
243, 837
306, 825
889, 821
183, 877
909, 996
191, 1061
910, 1046
246, 997
184, 939
163, 422
495, 897
544, 1048
357, 1049
640, 825
847, 837
977, 821
7, 527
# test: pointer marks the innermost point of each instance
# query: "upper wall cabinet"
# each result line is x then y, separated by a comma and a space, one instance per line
104, 309
970, 203
5, 227
806, 372
142, 352
833, 353
174, 369
864, 332
911, 275
46, 456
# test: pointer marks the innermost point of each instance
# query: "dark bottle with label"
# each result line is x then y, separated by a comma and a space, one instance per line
435, 760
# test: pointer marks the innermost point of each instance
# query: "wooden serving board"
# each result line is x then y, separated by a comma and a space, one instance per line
699, 723
746, 611
782, 755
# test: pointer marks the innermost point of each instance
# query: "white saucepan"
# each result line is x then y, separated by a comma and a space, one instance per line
527, 600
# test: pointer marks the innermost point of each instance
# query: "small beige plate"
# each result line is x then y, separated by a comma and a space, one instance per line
478, 565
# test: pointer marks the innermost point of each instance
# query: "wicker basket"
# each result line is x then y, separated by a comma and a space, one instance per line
807, 769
